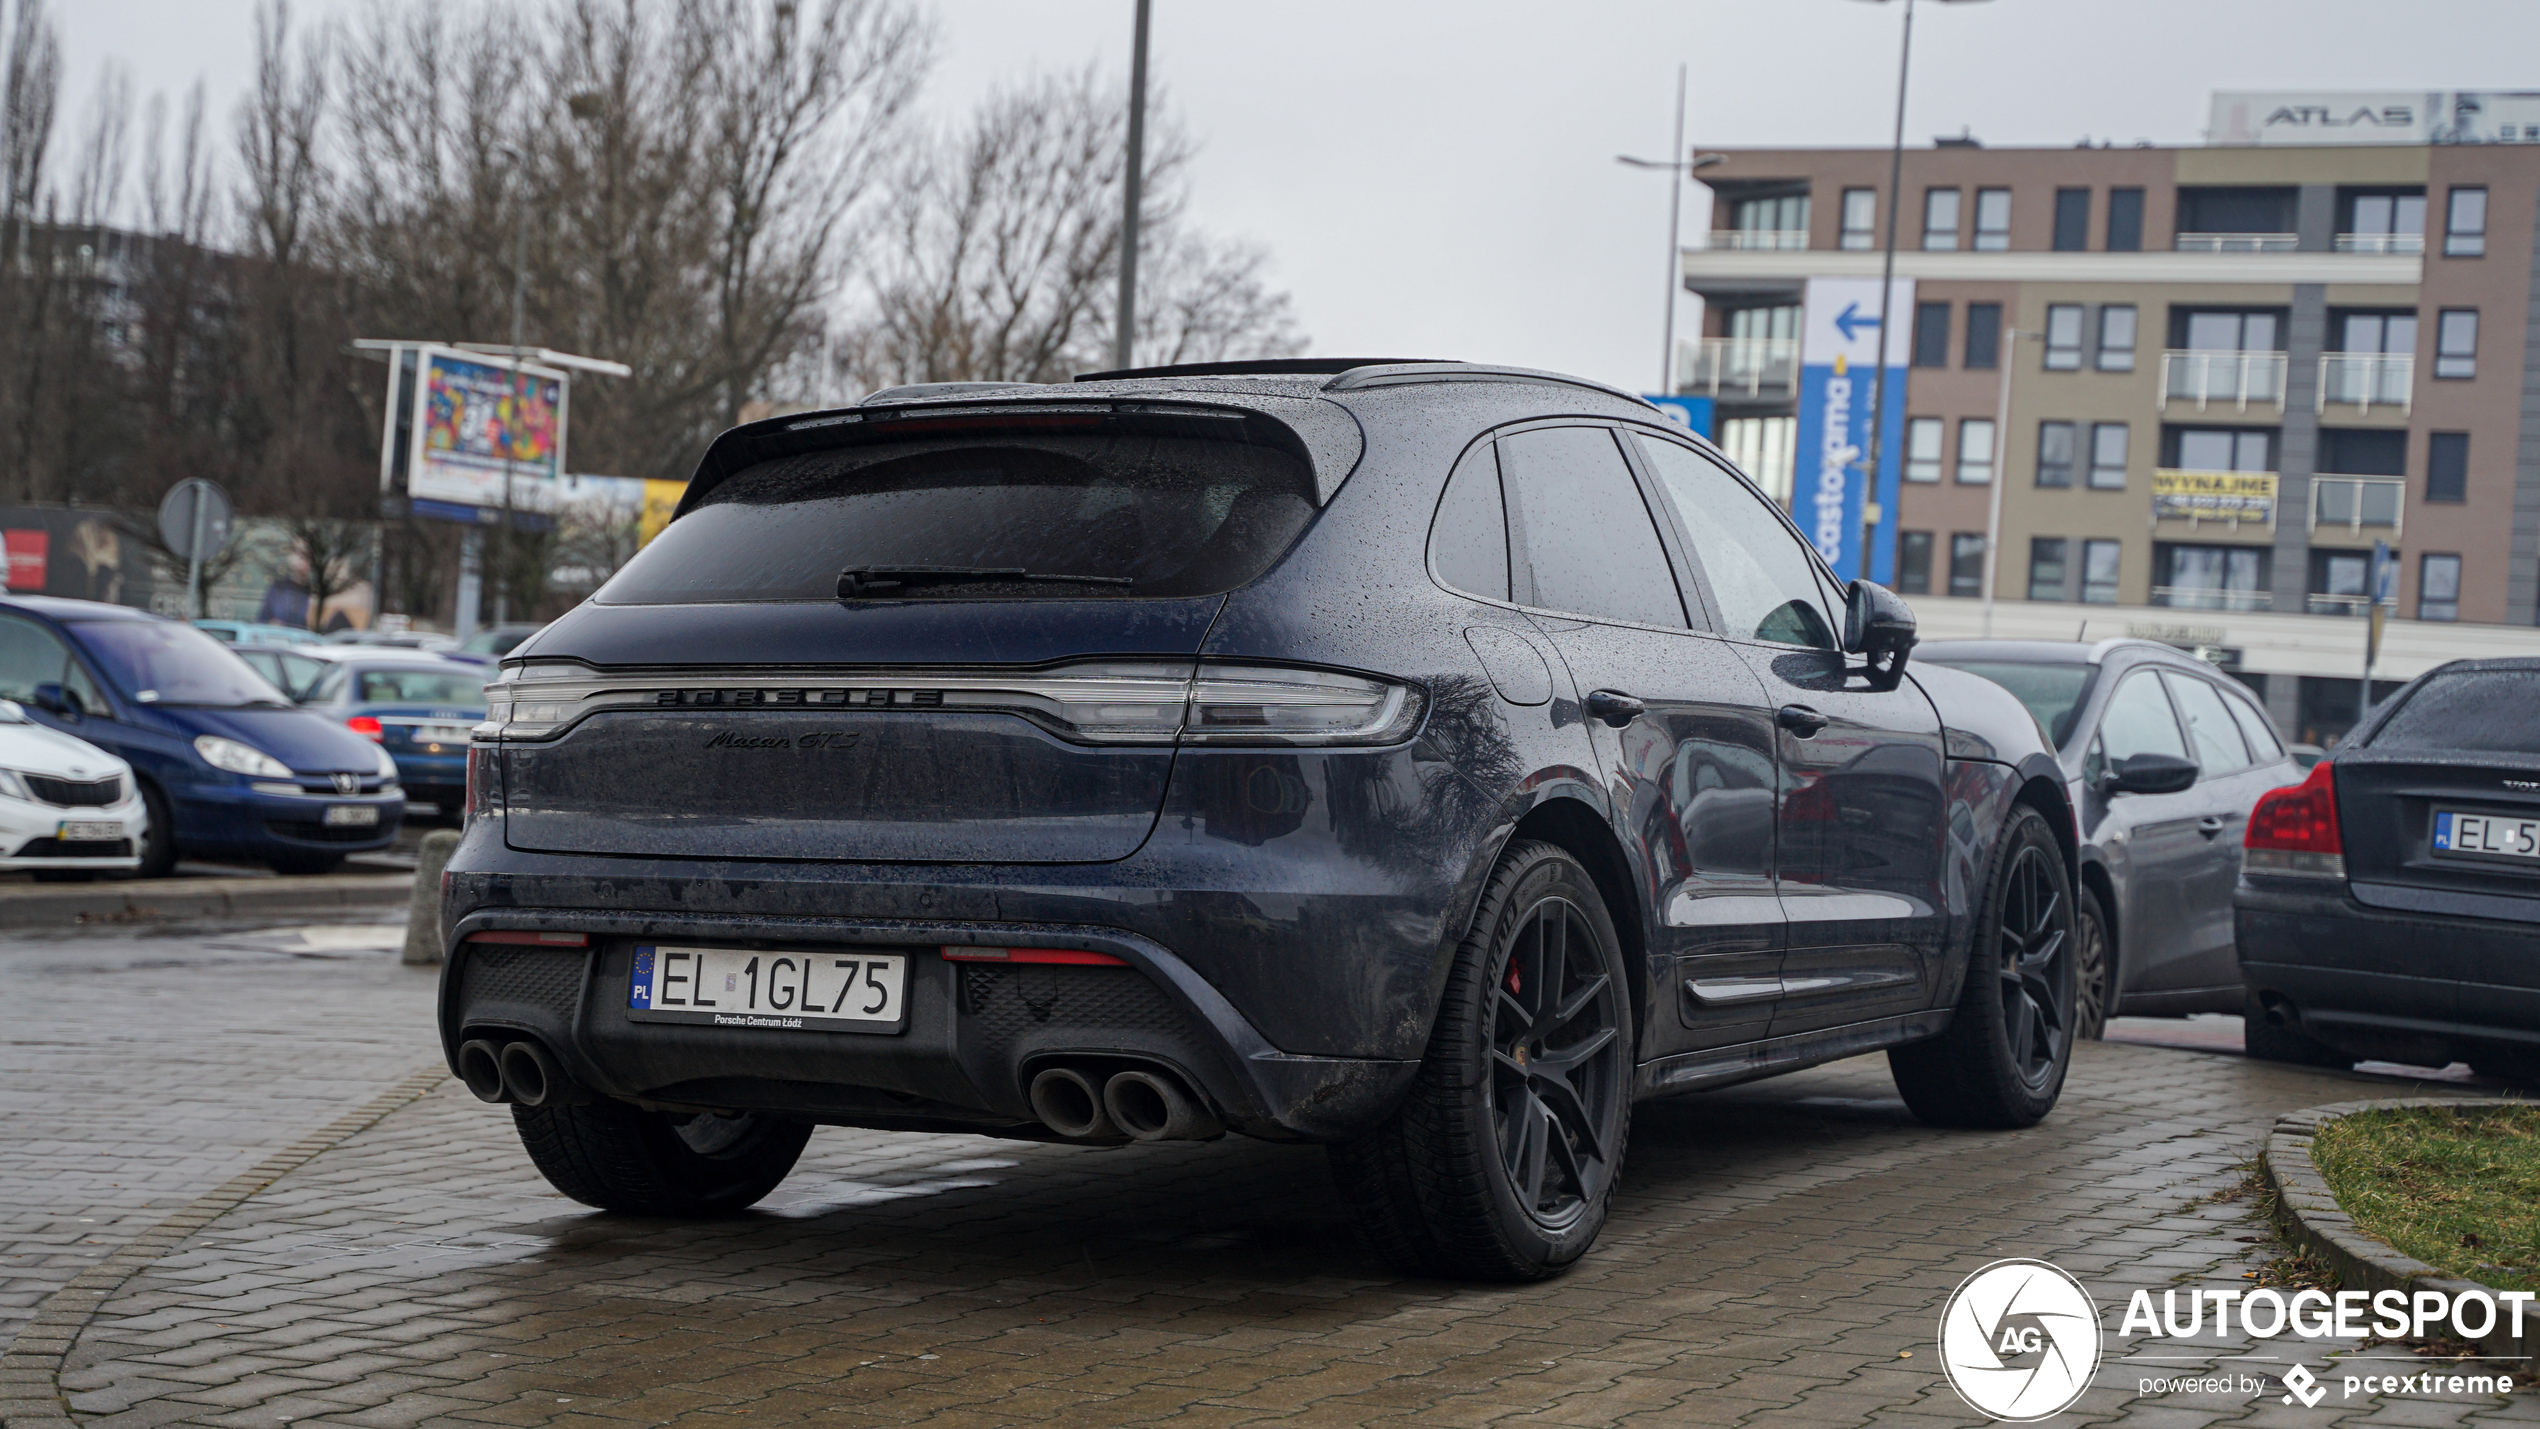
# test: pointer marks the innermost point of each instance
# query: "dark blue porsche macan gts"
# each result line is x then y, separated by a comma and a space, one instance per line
1422, 759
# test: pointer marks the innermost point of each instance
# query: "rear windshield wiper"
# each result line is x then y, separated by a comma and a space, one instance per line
858, 581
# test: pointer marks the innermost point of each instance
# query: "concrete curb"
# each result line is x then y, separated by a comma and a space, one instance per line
144, 899
31, 1367
2312, 1219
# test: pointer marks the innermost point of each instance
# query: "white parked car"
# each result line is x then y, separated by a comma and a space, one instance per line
68, 810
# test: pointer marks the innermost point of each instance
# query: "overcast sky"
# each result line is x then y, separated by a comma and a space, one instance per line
1438, 179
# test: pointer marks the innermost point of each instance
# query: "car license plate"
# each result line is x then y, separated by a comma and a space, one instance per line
340, 816
843, 990
2497, 836
84, 830
443, 733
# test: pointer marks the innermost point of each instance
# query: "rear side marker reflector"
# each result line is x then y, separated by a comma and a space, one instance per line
1032, 955
549, 940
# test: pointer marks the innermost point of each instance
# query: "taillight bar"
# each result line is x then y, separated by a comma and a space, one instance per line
2293, 831
1076, 956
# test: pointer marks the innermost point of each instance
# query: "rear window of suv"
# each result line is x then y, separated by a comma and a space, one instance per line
1089, 516
2475, 711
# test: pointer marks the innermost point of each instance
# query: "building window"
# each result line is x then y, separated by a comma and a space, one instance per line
1860, 219
1913, 563
1931, 334
2338, 582
1975, 451
1922, 448
2108, 442
2465, 224
2383, 223
1777, 222
2210, 577
2054, 453
1993, 220
2046, 567
2063, 337
2116, 338
2219, 448
2125, 220
1966, 563
1984, 335
2439, 588
2456, 343
2072, 220
1940, 220
1762, 448
2099, 572
2447, 466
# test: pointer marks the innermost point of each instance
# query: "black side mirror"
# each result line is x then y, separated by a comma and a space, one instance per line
2151, 774
1878, 624
60, 700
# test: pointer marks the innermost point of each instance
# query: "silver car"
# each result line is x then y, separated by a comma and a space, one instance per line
2164, 755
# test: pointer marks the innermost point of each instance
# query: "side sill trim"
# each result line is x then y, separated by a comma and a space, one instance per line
1724, 1066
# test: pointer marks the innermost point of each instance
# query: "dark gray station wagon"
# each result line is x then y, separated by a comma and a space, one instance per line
1421, 759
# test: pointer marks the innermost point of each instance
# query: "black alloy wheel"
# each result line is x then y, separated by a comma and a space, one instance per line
2094, 970
1501, 1160
1556, 1063
2035, 967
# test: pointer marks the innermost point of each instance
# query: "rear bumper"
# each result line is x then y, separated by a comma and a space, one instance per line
236, 820
2377, 982
975, 1034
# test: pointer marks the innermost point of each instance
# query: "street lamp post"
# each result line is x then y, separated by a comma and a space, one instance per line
1131, 197
2007, 354
511, 427
1677, 164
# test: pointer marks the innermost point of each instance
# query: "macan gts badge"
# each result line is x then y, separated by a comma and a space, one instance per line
1422, 760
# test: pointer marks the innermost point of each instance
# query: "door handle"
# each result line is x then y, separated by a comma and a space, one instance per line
1614, 707
1800, 720
2210, 825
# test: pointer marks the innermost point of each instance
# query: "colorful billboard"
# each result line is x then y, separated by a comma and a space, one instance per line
477, 422
1839, 350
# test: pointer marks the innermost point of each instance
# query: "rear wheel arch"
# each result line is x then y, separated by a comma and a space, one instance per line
1580, 831
2094, 876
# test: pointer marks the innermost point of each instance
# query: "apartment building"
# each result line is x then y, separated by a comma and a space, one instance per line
2202, 383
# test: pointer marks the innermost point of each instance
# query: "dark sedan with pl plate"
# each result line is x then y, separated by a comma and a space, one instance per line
1424, 760
2389, 905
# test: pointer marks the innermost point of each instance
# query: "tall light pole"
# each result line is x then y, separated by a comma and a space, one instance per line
1131, 196
2007, 353
1887, 268
511, 428
1677, 164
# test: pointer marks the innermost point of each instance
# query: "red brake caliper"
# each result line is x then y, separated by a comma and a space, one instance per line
1513, 984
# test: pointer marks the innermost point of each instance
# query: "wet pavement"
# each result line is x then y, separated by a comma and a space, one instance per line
1779, 1253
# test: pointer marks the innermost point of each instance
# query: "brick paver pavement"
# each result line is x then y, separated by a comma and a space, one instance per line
1779, 1254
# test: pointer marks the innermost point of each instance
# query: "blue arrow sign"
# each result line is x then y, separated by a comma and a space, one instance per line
1851, 318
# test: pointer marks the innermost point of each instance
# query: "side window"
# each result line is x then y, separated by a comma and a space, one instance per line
1469, 543
1763, 578
2138, 721
1584, 541
31, 655
2264, 747
2209, 725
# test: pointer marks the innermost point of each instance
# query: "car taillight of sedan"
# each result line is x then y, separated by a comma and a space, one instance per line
367, 726
2293, 830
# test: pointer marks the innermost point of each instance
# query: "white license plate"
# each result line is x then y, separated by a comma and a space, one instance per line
845, 990
341, 816
2494, 835
443, 733
83, 830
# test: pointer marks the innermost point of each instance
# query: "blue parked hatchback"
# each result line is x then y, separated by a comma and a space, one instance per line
420, 708
230, 769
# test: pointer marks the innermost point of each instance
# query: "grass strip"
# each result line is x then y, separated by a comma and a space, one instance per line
2457, 1190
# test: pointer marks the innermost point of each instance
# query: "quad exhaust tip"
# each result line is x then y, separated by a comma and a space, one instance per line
1071, 1104
519, 1072
1154, 1107
481, 1068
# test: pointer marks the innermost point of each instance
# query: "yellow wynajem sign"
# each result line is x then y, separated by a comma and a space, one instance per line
2213, 495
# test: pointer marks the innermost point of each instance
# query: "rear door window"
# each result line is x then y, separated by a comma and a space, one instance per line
2474, 711
2264, 747
1584, 542
1761, 575
1087, 516
2211, 731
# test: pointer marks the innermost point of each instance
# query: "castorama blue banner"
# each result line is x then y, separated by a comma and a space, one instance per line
1839, 354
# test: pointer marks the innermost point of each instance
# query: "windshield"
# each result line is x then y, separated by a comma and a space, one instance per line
1139, 515
159, 662
2480, 711
421, 687
2052, 693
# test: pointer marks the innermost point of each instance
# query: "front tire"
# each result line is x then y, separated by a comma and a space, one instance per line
2094, 967
2001, 1064
620, 1158
1501, 1162
158, 840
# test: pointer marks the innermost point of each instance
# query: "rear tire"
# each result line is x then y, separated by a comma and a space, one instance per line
158, 841
620, 1158
2094, 967
2272, 1042
2001, 1064
1501, 1161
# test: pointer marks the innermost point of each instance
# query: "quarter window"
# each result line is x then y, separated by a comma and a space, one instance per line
1762, 577
1469, 543
1584, 542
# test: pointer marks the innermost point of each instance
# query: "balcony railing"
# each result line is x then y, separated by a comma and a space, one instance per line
2239, 378
1759, 238
2381, 243
1739, 366
2367, 379
2238, 242
2317, 604
2207, 598
2358, 502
